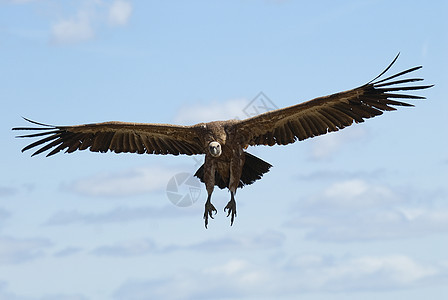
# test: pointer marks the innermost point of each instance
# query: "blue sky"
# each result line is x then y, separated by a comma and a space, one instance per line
357, 214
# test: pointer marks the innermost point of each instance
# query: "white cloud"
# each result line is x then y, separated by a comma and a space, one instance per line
401, 269
82, 26
356, 193
356, 210
240, 277
362, 273
325, 146
73, 30
297, 275
229, 109
247, 274
119, 12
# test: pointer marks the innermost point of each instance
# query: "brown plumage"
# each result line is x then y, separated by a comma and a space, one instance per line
226, 164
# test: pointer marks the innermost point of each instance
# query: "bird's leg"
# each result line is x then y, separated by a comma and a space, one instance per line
231, 206
209, 209
209, 177
236, 168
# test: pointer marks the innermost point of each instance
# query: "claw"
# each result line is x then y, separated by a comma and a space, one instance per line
209, 209
231, 206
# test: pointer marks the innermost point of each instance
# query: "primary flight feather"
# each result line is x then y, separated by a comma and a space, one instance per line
226, 164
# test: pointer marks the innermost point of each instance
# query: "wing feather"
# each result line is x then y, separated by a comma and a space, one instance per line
46, 147
299, 131
125, 142
289, 133
139, 144
306, 127
326, 119
330, 113
73, 142
148, 145
158, 145
86, 141
39, 142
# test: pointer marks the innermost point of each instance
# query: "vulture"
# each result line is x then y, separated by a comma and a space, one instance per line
227, 164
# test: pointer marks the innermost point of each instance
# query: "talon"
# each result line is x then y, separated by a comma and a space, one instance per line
231, 206
209, 209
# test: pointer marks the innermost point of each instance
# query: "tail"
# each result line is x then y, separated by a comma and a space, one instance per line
254, 168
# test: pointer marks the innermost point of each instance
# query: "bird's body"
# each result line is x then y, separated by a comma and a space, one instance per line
227, 164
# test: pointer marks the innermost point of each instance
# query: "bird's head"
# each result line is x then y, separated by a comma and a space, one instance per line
215, 149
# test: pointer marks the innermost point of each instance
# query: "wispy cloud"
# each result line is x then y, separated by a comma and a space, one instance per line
73, 30
4, 214
130, 182
90, 15
330, 175
7, 191
129, 248
137, 247
67, 251
119, 12
297, 275
117, 215
64, 297
265, 240
14, 250
6, 294
240, 108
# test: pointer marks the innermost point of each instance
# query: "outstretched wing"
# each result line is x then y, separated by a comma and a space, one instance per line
115, 136
330, 113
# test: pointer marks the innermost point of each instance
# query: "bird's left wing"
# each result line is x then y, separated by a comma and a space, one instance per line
117, 137
330, 113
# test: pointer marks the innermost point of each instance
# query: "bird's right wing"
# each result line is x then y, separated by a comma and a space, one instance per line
117, 137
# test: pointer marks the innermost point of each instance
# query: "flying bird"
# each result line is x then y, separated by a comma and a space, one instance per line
227, 164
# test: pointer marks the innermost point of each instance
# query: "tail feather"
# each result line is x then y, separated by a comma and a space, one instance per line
254, 168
